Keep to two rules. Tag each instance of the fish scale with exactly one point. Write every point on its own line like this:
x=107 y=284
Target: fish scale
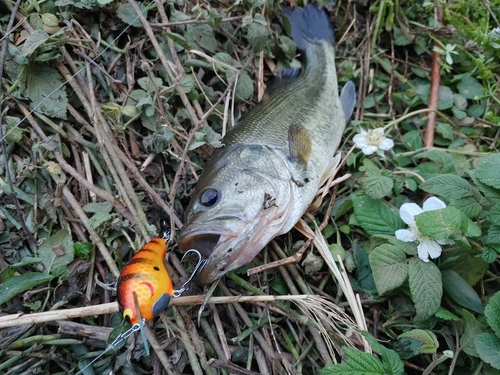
x=265 y=177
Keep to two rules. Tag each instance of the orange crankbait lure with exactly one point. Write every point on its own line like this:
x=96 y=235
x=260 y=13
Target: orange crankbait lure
x=146 y=275
x=144 y=286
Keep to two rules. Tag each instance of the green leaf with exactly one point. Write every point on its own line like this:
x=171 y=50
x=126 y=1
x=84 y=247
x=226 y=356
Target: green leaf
x=487 y=171
x=460 y=292
x=390 y=359
x=425 y=286
x=356 y=362
x=492 y=313
x=469 y=266
x=444 y=314
x=445 y=98
x=204 y=36
x=445 y=130
x=488 y=347
x=442 y=158
x=103 y=207
x=389 y=267
x=35 y=40
x=492 y=194
x=493 y=235
x=83 y=249
x=129 y=16
x=257 y=34
x=56 y=252
x=98 y=219
x=448 y=186
x=469 y=87
x=442 y=225
x=377 y=183
x=469 y=206
x=44 y=87
x=244 y=87
x=19 y=284
x=414 y=139
x=427 y=339
x=376 y=216
x=471 y=329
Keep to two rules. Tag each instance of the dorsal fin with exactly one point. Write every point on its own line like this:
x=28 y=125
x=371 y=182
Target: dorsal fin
x=282 y=78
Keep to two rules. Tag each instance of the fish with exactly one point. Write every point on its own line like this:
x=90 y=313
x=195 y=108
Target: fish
x=263 y=179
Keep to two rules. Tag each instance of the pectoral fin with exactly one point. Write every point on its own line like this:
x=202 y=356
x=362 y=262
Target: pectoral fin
x=300 y=145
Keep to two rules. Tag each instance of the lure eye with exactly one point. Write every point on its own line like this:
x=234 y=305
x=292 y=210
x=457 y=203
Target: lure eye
x=209 y=197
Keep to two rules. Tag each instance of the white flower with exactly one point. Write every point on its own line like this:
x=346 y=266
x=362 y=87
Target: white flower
x=426 y=246
x=373 y=140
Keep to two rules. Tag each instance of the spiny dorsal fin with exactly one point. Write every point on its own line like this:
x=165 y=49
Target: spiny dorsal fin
x=348 y=99
x=300 y=144
x=282 y=78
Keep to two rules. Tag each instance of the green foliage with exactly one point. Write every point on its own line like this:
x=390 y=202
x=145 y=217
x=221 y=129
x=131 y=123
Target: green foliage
x=56 y=252
x=21 y=283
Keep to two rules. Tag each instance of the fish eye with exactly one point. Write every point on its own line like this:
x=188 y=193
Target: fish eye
x=209 y=197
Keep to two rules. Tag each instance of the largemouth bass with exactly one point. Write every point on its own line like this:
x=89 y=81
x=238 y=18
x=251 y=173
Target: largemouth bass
x=265 y=177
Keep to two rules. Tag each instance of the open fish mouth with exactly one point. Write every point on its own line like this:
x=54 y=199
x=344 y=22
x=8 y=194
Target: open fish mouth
x=205 y=243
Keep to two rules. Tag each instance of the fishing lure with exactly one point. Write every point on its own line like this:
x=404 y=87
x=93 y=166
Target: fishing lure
x=145 y=288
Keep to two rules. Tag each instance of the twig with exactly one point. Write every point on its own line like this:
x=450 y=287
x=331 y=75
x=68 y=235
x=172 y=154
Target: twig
x=435 y=82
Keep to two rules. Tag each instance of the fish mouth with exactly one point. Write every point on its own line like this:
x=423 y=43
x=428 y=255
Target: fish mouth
x=204 y=242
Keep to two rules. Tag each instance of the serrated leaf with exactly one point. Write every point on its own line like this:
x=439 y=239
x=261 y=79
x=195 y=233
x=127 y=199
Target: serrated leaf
x=19 y=284
x=469 y=87
x=444 y=314
x=472 y=268
x=376 y=216
x=471 y=329
x=414 y=139
x=442 y=225
x=56 y=252
x=376 y=183
x=493 y=235
x=487 y=171
x=492 y=194
x=492 y=313
x=257 y=34
x=390 y=359
x=445 y=130
x=357 y=362
x=445 y=98
x=44 y=88
x=244 y=87
x=425 y=286
x=442 y=158
x=460 y=292
x=448 y=186
x=129 y=16
x=469 y=206
x=427 y=339
x=98 y=219
x=488 y=347
x=35 y=40
x=204 y=36
x=389 y=267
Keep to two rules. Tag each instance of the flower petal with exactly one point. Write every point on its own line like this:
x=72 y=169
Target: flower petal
x=433 y=204
x=405 y=235
x=360 y=139
x=368 y=149
x=378 y=131
x=386 y=144
x=408 y=211
x=428 y=248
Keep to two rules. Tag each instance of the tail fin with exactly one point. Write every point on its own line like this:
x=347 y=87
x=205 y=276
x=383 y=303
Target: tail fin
x=309 y=25
x=348 y=99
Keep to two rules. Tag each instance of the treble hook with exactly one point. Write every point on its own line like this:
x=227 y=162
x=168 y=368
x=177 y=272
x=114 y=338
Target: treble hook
x=201 y=263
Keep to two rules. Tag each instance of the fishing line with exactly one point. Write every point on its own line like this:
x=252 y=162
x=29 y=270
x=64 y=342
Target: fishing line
x=78 y=72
